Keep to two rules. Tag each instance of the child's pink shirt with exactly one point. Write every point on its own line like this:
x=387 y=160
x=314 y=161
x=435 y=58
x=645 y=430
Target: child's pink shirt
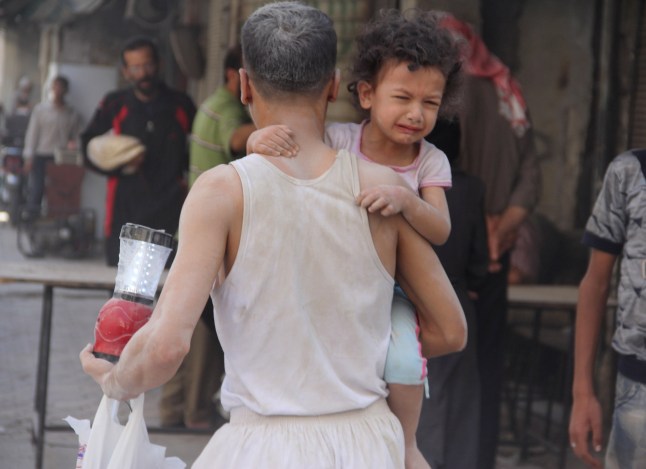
x=430 y=168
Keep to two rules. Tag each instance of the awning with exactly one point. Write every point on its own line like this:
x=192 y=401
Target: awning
x=45 y=11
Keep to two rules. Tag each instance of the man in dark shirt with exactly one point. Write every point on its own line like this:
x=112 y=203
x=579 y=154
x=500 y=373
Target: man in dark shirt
x=161 y=119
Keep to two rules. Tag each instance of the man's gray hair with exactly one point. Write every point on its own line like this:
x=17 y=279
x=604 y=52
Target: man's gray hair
x=289 y=47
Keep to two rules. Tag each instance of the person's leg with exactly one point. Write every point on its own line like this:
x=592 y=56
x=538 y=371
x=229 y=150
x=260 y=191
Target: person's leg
x=205 y=366
x=432 y=429
x=405 y=401
x=491 y=315
x=627 y=442
x=112 y=250
x=405 y=373
x=453 y=406
x=171 y=402
x=464 y=404
x=36 y=184
x=187 y=399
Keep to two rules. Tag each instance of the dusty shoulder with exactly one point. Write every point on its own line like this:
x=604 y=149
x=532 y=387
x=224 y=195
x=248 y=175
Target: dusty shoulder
x=217 y=186
x=221 y=175
x=373 y=174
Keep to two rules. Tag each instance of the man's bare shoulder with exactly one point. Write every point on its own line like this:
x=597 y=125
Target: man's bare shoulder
x=216 y=188
x=221 y=177
x=373 y=174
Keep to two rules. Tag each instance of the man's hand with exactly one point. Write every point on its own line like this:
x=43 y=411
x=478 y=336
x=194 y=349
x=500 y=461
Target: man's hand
x=27 y=165
x=387 y=200
x=586 y=421
x=502 y=232
x=102 y=372
x=274 y=140
x=134 y=164
x=492 y=242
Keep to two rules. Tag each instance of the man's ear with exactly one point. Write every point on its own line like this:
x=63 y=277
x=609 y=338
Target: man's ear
x=364 y=93
x=333 y=92
x=245 y=87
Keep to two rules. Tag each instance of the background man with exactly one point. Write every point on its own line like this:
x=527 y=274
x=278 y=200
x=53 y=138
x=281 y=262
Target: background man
x=161 y=119
x=304 y=310
x=53 y=125
x=21 y=102
x=615 y=227
x=222 y=124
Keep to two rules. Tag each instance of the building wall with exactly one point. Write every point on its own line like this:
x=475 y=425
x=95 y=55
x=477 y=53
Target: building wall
x=556 y=65
x=231 y=14
x=18 y=56
x=552 y=58
x=556 y=53
x=466 y=10
x=96 y=39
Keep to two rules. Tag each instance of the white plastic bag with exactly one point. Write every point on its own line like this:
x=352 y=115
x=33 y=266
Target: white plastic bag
x=110 y=445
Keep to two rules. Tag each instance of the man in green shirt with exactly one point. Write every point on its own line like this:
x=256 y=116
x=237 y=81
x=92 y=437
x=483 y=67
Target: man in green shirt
x=219 y=135
x=222 y=124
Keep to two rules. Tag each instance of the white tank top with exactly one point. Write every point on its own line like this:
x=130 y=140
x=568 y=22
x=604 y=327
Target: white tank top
x=304 y=315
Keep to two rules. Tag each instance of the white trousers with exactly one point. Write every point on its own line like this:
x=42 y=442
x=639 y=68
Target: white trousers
x=370 y=438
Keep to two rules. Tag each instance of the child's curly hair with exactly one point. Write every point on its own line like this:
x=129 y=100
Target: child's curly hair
x=416 y=37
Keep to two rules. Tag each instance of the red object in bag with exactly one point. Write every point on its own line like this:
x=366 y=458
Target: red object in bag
x=118 y=320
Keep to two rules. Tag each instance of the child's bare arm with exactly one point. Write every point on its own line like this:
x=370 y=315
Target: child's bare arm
x=431 y=219
x=274 y=140
x=428 y=215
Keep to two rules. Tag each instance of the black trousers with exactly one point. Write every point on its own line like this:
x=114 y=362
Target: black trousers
x=449 y=426
x=491 y=315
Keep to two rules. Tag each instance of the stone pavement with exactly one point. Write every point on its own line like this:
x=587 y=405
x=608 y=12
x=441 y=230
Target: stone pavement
x=70 y=391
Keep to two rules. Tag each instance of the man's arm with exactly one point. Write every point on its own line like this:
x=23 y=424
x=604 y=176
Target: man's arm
x=527 y=186
x=443 y=327
x=522 y=200
x=586 y=414
x=154 y=353
x=100 y=123
x=503 y=230
x=76 y=128
x=417 y=268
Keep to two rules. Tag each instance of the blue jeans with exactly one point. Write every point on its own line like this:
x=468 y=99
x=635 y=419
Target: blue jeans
x=627 y=443
x=36 y=185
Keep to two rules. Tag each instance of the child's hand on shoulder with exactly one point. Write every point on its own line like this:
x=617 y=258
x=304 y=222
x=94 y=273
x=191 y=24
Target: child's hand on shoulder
x=385 y=199
x=274 y=140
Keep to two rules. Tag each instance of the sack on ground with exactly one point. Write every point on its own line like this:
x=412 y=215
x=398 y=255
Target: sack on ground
x=109 y=445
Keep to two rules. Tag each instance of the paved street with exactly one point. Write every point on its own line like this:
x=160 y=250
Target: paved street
x=71 y=392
